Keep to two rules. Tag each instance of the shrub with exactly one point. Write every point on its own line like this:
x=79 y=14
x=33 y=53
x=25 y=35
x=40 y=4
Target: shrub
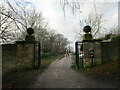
x=116 y=40
x=47 y=55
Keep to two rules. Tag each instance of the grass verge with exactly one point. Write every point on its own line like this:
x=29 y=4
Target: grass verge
x=111 y=69
x=22 y=78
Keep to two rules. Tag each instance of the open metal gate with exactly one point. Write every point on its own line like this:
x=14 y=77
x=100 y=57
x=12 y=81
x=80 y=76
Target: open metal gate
x=79 y=61
x=37 y=55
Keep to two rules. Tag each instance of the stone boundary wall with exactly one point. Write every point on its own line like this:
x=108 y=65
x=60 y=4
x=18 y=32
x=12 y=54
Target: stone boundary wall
x=103 y=52
x=17 y=56
x=109 y=51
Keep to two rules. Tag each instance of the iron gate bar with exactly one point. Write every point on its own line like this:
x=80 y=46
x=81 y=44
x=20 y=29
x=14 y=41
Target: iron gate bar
x=77 y=53
x=37 y=55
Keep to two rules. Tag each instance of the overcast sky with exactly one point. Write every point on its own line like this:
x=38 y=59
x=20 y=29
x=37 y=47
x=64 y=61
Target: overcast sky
x=67 y=25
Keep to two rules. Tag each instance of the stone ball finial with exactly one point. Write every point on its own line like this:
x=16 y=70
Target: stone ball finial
x=87 y=29
x=30 y=38
x=30 y=31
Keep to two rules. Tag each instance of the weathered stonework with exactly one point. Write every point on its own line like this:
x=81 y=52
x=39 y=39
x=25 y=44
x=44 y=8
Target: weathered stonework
x=25 y=53
x=90 y=44
x=109 y=51
x=19 y=55
x=94 y=45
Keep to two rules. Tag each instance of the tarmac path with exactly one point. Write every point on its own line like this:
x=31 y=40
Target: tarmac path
x=60 y=75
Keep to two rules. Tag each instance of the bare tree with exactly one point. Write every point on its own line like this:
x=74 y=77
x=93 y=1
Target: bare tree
x=10 y=24
x=19 y=18
x=96 y=23
x=6 y=25
x=115 y=30
x=16 y=18
x=93 y=19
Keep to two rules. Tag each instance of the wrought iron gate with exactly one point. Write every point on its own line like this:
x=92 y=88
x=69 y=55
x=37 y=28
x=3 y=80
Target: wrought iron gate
x=79 y=62
x=37 y=55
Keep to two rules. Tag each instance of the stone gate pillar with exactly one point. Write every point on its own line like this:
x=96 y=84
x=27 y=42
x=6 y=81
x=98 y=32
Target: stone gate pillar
x=25 y=50
x=89 y=45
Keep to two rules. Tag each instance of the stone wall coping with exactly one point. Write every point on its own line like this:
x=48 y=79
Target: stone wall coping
x=93 y=40
x=24 y=42
x=105 y=42
x=7 y=44
x=19 y=42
